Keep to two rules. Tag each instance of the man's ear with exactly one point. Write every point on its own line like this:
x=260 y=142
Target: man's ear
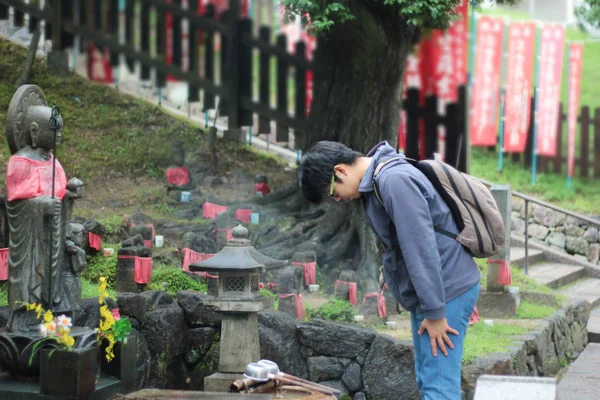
x=341 y=169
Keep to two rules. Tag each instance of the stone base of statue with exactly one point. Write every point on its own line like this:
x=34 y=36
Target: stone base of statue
x=23 y=380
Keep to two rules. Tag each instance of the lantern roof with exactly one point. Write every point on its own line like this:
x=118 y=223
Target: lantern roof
x=237 y=256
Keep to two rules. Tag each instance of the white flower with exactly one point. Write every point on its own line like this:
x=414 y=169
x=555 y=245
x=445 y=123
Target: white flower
x=51 y=328
x=43 y=330
x=64 y=322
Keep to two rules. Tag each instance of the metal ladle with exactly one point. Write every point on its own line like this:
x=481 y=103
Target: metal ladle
x=262 y=373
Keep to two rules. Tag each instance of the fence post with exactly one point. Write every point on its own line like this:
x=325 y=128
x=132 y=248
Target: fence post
x=264 y=123
x=411 y=104
x=282 y=132
x=584 y=158
x=597 y=143
x=463 y=145
x=231 y=78
x=300 y=85
x=430 y=119
x=451 y=126
x=57 y=60
x=529 y=142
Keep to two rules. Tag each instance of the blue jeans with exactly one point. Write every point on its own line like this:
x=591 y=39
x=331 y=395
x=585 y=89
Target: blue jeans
x=438 y=378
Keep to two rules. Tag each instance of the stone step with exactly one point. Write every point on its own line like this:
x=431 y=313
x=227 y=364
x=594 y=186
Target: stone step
x=593 y=326
x=517 y=256
x=556 y=275
x=581 y=380
x=588 y=289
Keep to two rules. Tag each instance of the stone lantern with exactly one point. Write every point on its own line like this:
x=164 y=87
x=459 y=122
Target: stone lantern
x=239 y=266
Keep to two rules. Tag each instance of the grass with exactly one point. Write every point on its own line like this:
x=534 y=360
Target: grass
x=551 y=188
x=482 y=340
x=529 y=310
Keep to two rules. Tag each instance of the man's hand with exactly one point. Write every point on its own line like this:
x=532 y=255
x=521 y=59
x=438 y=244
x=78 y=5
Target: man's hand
x=438 y=334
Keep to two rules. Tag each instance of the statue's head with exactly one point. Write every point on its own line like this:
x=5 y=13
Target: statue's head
x=31 y=122
x=42 y=123
x=75 y=233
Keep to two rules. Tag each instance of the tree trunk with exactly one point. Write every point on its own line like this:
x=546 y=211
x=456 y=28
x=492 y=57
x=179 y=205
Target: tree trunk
x=33 y=46
x=358 y=70
x=358 y=79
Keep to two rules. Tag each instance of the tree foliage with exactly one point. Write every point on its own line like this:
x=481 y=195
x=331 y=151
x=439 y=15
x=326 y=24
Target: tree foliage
x=427 y=14
x=589 y=12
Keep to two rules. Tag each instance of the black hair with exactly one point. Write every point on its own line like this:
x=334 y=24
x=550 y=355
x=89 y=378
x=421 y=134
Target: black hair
x=316 y=167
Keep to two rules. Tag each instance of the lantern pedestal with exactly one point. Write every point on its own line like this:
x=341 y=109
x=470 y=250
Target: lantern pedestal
x=239 y=335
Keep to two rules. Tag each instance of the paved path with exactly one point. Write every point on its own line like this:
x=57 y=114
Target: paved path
x=581 y=380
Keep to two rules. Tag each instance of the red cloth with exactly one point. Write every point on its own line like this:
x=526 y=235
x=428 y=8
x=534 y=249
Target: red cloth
x=271 y=285
x=351 y=290
x=148 y=243
x=299 y=303
x=98 y=65
x=262 y=188
x=95 y=241
x=142 y=268
x=27 y=178
x=381 y=308
x=4 y=264
x=190 y=256
x=310 y=272
x=504 y=277
x=243 y=215
x=474 y=316
x=178 y=176
x=210 y=210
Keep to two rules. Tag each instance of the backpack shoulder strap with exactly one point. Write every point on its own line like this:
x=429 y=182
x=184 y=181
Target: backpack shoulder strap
x=380 y=200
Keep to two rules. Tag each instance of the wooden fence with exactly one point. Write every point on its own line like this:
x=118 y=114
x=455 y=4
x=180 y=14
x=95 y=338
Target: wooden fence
x=587 y=160
x=97 y=22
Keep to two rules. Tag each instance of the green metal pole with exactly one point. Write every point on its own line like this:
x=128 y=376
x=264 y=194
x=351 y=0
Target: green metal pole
x=503 y=93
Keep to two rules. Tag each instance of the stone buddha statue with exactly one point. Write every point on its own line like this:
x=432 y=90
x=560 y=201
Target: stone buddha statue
x=38 y=206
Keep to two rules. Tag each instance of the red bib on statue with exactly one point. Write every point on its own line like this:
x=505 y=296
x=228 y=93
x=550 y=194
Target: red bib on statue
x=26 y=178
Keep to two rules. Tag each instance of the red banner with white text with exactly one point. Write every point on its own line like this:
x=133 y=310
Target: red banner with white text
x=550 y=74
x=486 y=84
x=519 y=82
x=575 y=60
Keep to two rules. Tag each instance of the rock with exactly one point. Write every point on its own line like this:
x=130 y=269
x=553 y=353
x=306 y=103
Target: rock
x=142 y=361
x=594 y=252
x=577 y=245
x=89 y=315
x=574 y=230
x=493 y=364
x=359 y=396
x=198 y=342
x=557 y=239
x=157 y=299
x=548 y=217
x=591 y=235
x=133 y=305
x=189 y=214
x=278 y=342
x=352 y=378
x=334 y=340
x=196 y=312
x=517 y=205
x=517 y=224
x=290 y=279
x=208 y=366
x=519 y=357
x=94 y=227
x=538 y=231
x=165 y=330
x=389 y=367
x=546 y=358
x=324 y=369
x=4 y=313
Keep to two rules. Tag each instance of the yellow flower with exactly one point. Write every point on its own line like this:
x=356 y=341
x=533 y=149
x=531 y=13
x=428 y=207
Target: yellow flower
x=38 y=310
x=69 y=341
x=48 y=316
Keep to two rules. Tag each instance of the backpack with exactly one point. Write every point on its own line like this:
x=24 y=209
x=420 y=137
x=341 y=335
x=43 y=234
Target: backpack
x=480 y=224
